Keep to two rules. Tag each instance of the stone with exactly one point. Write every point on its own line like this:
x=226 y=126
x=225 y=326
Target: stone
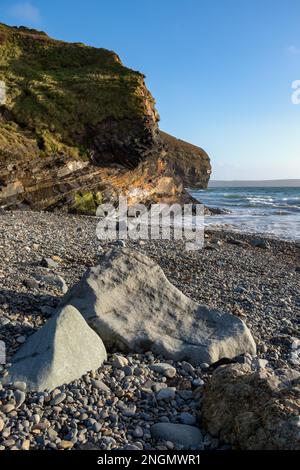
x=19 y=386
x=146 y=312
x=25 y=444
x=62 y=350
x=119 y=361
x=164 y=369
x=53 y=280
x=59 y=398
x=187 y=418
x=253 y=410
x=166 y=394
x=180 y=434
x=187 y=367
x=260 y=243
x=20 y=397
x=31 y=283
x=100 y=386
x=21 y=339
x=258 y=363
x=1 y=424
x=8 y=408
x=49 y=263
x=138 y=432
x=66 y=445
x=198 y=382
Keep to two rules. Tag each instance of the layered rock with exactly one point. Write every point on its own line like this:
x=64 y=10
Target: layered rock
x=189 y=162
x=130 y=303
x=63 y=350
x=78 y=128
x=253 y=410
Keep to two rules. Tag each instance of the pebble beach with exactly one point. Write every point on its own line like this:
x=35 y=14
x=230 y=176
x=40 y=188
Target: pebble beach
x=43 y=254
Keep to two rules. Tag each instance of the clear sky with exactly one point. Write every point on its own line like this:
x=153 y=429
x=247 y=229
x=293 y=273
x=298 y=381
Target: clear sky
x=220 y=70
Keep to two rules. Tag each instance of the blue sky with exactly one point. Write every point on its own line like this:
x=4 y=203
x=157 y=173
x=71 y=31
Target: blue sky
x=220 y=70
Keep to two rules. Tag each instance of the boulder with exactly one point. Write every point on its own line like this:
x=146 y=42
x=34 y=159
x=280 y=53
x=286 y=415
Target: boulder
x=63 y=350
x=253 y=410
x=130 y=303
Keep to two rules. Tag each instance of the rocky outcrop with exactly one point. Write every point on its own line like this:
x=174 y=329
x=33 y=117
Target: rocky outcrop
x=78 y=128
x=253 y=410
x=130 y=303
x=190 y=163
x=63 y=350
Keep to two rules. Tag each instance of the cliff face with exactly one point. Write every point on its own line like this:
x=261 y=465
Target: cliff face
x=190 y=163
x=78 y=128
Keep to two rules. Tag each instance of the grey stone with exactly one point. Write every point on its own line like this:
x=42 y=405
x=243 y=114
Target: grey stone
x=31 y=283
x=59 y=398
x=147 y=312
x=19 y=386
x=119 y=361
x=166 y=394
x=187 y=418
x=49 y=263
x=63 y=350
x=100 y=386
x=182 y=434
x=260 y=243
x=164 y=369
x=53 y=280
x=20 y=397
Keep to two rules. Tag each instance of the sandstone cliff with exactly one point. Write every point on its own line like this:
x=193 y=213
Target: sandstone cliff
x=78 y=128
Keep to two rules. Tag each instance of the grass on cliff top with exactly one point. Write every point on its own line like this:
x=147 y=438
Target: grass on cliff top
x=57 y=87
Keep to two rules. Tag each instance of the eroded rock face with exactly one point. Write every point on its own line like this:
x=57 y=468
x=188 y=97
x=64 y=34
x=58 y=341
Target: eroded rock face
x=130 y=303
x=92 y=136
x=189 y=162
x=63 y=350
x=253 y=410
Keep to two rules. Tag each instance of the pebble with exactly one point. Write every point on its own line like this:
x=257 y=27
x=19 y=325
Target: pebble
x=164 y=369
x=7 y=408
x=59 y=398
x=166 y=394
x=49 y=263
x=100 y=386
x=119 y=361
x=20 y=397
x=138 y=432
x=187 y=418
x=21 y=339
x=66 y=445
x=20 y=386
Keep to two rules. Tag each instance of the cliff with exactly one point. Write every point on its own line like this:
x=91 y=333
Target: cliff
x=77 y=127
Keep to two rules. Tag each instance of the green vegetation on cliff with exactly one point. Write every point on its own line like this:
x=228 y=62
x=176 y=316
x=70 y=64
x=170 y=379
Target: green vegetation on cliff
x=56 y=89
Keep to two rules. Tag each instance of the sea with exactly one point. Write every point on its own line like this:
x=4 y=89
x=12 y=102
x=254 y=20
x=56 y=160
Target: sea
x=272 y=212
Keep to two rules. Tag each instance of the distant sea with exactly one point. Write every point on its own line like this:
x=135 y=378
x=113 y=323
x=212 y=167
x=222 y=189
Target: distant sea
x=268 y=211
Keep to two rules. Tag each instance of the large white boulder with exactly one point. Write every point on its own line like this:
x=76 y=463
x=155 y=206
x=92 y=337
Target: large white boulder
x=130 y=303
x=63 y=350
